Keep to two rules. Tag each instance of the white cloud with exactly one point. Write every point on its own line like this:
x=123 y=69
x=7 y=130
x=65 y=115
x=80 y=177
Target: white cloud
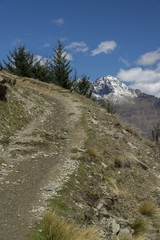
x=147 y=80
x=38 y=58
x=149 y=58
x=104 y=47
x=46 y=45
x=58 y=21
x=68 y=56
x=77 y=47
x=16 y=42
x=123 y=60
x=62 y=39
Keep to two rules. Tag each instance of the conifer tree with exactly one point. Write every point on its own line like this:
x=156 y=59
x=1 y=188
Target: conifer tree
x=1 y=67
x=83 y=86
x=61 y=67
x=20 y=61
x=42 y=70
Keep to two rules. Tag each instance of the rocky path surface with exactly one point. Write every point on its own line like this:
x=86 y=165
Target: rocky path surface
x=38 y=162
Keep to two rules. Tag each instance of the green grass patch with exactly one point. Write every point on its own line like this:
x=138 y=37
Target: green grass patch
x=74 y=150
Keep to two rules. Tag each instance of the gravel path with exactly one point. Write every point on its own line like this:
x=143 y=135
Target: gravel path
x=27 y=180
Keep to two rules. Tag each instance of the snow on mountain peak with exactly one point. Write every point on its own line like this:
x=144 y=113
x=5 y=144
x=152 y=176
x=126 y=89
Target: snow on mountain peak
x=111 y=88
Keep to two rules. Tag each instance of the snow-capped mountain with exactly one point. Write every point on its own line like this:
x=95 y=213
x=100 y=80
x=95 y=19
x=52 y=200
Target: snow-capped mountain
x=110 y=88
x=133 y=106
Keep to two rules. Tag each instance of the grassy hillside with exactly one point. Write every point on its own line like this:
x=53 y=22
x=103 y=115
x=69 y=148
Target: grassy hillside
x=116 y=186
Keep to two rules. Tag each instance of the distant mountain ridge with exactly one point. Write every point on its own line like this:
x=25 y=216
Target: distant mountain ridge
x=133 y=106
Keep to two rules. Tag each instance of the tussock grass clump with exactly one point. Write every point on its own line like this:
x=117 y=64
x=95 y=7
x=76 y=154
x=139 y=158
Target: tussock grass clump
x=111 y=182
x=148 y=208
x=140 y=225
x=121 y=162
x=140 y=237
x=93 y=152
x=58 y=228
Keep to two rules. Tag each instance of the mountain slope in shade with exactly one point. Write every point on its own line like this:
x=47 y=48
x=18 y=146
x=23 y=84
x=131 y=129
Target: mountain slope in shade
x=136 y=108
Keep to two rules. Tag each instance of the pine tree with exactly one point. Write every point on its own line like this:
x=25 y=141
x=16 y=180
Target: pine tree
x=1 y=67
x=156 y=133
x=20 y=61
x=83 y=86
x=61 y=67
x=42 y=71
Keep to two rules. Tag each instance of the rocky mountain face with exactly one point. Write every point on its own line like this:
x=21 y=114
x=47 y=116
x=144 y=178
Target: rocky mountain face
x=136 y=108
x=110 y=88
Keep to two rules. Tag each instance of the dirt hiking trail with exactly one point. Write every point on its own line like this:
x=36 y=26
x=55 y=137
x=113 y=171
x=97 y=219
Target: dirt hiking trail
x=38 y=160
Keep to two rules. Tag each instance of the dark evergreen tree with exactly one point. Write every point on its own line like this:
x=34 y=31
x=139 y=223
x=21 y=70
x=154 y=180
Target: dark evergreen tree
x=156 y=133
x=20 y=61
x=83 y=86
x=61 y=67
x=1 y=67
x=42 y=71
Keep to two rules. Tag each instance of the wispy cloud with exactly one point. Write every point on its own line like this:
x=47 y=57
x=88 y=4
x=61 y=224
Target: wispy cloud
x=16 y=42
x=149 y=58
x=104 y=47
x=147 y=80
x=62 y=39
x=46 y=45
x=77 y=47
x=124 y=61
x=58 y=21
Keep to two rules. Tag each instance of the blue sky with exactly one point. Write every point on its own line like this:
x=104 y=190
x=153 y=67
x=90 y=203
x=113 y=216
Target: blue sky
x=102 y=37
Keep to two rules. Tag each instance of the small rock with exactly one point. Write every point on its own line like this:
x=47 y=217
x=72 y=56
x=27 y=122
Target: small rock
x=4 y=165
x=50 y=188
x=100 y=205
x=11 y=166
x=119 y=135
x=115 y=226
x=104 y=211
x=131 y=145
x=104 y=165
x=125 y=233
x=124 y=131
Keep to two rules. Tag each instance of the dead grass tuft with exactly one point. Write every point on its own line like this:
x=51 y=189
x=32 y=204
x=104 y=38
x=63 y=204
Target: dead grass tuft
x=122 y=162
x=140 y=225
x=140 y=237
x=93 y=152
x=112 y=184
x=148 y=208
x=58 y=228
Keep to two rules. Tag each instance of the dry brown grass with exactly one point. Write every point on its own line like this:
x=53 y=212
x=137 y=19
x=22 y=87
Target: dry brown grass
x=93 y=152
x=122 y=162
x=141 y=237
x=58 y=228
x=140 y=225
x=148 y=208
x=112 y=184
